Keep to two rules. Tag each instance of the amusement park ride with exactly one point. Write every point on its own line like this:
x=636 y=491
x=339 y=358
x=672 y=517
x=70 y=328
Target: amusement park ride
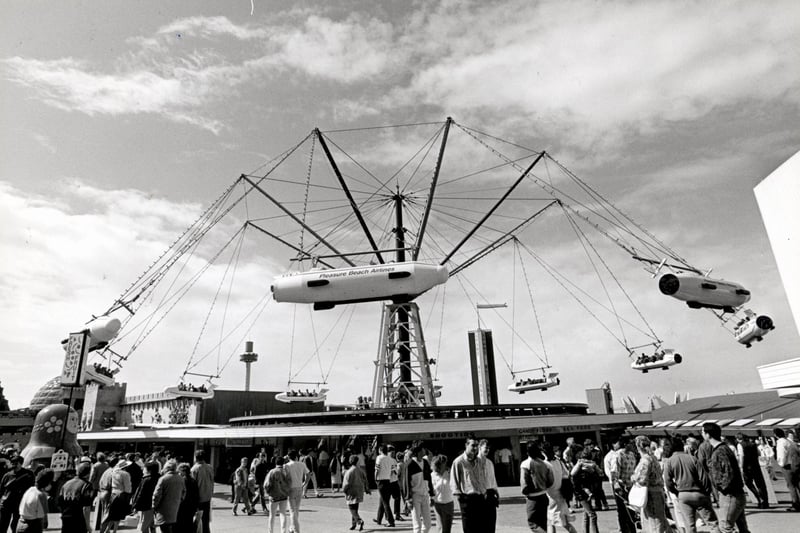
x=355 y=239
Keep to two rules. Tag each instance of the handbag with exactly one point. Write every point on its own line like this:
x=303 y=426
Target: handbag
x=637 y=496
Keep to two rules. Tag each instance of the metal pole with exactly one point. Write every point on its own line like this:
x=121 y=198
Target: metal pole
x=432 y=190
x=347 y=193
x=493 y=209
x=403 y=337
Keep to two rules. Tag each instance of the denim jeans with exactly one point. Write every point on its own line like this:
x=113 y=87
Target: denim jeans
x=589 y=517
x=278 y=509
x=690 y=504
x=731 y=513
x=295 y=497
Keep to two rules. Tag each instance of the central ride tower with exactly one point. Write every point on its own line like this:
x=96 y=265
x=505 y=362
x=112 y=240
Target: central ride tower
x=402 y=369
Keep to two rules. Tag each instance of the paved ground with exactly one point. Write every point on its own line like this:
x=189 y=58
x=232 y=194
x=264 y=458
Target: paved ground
x=330 y=514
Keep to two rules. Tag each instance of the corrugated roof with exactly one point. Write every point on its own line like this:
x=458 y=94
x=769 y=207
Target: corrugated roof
x=751 y=411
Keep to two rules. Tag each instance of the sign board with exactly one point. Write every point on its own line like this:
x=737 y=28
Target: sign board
x=60 y=461
x=239 y=443
x=77 y=347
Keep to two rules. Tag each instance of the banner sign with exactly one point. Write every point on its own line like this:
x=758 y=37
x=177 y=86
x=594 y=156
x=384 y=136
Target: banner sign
x=77 y=347
x=60 y=461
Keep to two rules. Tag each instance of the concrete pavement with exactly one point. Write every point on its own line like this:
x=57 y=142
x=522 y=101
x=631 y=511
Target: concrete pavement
x=330 y=514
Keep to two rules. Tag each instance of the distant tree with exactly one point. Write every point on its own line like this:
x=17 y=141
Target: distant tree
x=3 y=402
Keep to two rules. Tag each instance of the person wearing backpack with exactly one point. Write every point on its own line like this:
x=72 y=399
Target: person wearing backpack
x=585 y=479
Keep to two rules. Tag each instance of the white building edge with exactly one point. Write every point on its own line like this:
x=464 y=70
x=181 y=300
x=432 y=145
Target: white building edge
x=778 y=197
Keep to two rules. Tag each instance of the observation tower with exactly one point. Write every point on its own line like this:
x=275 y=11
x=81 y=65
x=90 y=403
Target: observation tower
x=248 y=357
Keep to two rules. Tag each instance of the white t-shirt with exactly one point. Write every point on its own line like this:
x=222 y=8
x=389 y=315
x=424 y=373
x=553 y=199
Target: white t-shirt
x=384 y=467
x=33 y=504
x=503 y=455
x=296 y=471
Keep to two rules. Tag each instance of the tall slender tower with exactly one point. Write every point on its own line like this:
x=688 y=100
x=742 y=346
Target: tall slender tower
x=481 y=360
x=248 y=357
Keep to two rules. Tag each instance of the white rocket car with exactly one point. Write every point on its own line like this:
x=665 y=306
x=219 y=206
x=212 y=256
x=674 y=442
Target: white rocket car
x=299 y=396
x=701 y=291
x=325 y=288
x=524 y=385
x=752 y=327
x=662 y=359
x=101 y=331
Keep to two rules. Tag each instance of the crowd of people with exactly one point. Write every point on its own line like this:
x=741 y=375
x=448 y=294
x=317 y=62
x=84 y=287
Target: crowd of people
x=671 y=482
x=96 y=494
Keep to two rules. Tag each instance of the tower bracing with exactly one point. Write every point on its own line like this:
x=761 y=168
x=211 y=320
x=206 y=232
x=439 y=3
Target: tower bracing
x=402 y=370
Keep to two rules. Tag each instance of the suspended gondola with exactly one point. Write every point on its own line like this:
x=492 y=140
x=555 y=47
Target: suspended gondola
x=291 y=395
x=182 y=390
x=661 y=358
x=548 y=380
x=752 y=328
x=99 y=374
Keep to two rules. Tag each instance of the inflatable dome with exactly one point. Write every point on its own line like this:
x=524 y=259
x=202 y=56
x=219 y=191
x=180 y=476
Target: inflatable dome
x=51 y=392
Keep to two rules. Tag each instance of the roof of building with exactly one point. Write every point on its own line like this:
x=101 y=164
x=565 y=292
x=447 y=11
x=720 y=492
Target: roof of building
x=418 y=428
x=750 y=413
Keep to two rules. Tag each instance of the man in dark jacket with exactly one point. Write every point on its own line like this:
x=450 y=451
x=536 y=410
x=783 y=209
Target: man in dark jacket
x=727 y=478
x=12 y=487
x=142 y=501
x=75 y=500
x=134 y=470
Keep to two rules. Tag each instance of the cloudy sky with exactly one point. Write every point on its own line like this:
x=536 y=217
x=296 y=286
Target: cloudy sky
x=122 y=122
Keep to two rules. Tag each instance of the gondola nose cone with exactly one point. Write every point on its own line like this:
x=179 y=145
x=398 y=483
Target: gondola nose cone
x=104 y=329
x=764 y=322
x=442 y=274
x=669 y=284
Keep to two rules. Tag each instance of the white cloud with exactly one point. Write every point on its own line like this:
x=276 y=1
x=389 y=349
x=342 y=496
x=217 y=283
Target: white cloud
x=593 y=74
x=356 y=49
x=208 y=27
x=598 y=73
x=69 y=84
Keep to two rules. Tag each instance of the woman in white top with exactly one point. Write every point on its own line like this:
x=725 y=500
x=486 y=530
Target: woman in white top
x=767 y=457
x=443 y=494
x=557 y=508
